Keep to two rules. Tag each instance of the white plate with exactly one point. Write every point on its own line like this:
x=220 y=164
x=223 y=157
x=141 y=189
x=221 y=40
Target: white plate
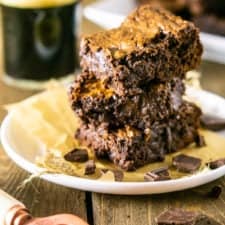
x=16 y=147
x=110 y=14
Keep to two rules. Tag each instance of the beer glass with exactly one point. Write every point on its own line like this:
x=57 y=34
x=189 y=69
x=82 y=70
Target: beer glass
x=39 y=39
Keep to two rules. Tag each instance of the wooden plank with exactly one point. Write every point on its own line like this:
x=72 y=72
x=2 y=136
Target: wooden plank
x=41 y=197
x=142 y=210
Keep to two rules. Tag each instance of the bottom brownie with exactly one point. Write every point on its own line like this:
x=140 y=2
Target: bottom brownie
x=130 y=148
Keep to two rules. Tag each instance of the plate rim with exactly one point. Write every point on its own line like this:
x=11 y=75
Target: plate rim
x=108 y=187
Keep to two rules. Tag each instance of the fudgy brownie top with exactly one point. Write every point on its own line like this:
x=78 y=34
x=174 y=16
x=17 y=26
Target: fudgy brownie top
x=141 y=28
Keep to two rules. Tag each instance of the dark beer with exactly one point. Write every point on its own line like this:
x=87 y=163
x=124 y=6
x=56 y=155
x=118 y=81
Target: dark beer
x=39 y=38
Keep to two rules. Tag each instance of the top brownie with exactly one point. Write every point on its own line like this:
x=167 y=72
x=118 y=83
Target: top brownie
x=150 y=44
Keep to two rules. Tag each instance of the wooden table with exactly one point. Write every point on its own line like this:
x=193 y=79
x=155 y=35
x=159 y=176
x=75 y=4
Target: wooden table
x=44 y=198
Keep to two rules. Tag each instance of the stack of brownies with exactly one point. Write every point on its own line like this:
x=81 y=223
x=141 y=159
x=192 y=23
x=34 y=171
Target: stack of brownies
x=130 y=94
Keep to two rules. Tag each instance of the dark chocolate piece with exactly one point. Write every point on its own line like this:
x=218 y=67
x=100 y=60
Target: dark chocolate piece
x=118 y=175
x=200 y=141
x=158 y=175
x=130 y=148
x=186 y=164
x=150 y=44
x=216 y=164
x=90 y=167
x=77 y=155
x=177 y=216
x=212 y=122
x=215 y=192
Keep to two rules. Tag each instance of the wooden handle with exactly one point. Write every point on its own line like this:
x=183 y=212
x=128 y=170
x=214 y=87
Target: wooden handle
x=6 y=203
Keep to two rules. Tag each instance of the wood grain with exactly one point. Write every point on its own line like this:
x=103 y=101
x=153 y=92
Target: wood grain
x=41 y=197
x=142 y=210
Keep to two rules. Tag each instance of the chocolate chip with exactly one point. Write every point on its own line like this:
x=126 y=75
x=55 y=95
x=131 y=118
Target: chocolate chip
x=90 y=167
x=157 y=175
x=216 y=164
x=212 y=122
x=186 y=164
x=200 y=141
x=177 y=216
x=215 y=192
x=77 y=155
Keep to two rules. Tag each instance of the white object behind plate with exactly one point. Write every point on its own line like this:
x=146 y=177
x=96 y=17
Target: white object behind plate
x=111 y=13
x=16 y=146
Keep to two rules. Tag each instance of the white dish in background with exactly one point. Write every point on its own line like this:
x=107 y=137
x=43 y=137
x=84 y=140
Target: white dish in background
x=110 y=14
x=16 y=146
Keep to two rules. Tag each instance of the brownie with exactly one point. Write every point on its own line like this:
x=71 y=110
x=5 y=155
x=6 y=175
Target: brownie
x=160 y=174
x=150 y=44
x=94 y=103
x=216 y=164
x=130 y=148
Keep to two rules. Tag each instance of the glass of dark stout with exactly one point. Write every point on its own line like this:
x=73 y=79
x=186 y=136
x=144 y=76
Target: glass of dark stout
x=39 y=39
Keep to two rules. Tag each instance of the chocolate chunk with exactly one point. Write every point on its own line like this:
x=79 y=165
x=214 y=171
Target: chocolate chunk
x=90 y=167
x=215 y=192
x=179 y=216
x=213 y=123
x=216 y=164
x=185 y=163
x=118 y=174
x=77 y=155
x=200 y=141
x=157 y=175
